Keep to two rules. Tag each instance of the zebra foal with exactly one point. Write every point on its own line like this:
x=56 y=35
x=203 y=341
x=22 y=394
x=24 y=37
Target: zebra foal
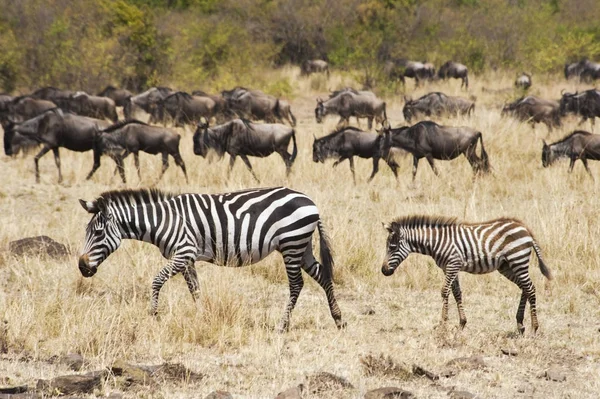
x=502 y=244
x=233 y=229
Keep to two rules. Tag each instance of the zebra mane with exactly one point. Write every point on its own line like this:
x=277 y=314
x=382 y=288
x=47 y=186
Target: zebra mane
x=570 y=135
x=139 y=196
x=413 y=221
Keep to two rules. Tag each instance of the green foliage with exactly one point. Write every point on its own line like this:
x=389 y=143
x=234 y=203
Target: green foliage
x=10 y=60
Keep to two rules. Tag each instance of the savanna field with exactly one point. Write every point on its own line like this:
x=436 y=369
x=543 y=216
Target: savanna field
x=229 y=335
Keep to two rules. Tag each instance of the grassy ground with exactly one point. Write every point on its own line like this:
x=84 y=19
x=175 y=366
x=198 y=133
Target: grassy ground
x=229 y=334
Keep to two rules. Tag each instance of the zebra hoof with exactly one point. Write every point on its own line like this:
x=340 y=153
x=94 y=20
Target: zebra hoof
x=521 y=329
x=341 y=325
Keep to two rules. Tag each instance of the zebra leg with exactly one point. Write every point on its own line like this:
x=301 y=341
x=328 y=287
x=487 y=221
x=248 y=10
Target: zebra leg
x=296 y=282
x=451 y=272
x=57 y=162
x=458 y=297
x=314 y=269
x=173 y=267
x=249 y=166
x=508 y=272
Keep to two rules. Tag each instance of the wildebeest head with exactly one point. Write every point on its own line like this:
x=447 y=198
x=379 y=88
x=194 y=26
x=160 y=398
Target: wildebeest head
x=328 y=146
x=568 y=103
x=102 y=237
x=318 y=150
x=408 y=110
x=199 y=146
x=397 y=248
x=548 y=156
x=214 y=138
x=319 y=111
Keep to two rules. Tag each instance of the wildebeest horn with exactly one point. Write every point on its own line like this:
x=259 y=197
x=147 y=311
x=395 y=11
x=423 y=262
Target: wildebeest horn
x=562 y=92
x=544 y=141
x=315 y=137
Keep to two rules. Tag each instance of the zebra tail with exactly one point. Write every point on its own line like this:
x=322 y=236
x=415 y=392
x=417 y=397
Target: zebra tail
x=543 y=268
x=295 y=148
x=326 y=253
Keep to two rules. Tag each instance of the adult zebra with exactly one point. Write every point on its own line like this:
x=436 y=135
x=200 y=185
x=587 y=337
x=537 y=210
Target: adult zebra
x=233 y=229
x=501 y=244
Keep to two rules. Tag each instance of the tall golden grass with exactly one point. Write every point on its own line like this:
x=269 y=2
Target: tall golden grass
x=229 y=333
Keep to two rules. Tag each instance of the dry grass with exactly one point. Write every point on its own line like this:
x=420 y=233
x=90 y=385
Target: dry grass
x=229 y=333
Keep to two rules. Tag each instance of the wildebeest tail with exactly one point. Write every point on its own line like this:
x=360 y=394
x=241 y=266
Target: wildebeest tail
x=326 y=253
x=293 y=118
x=485 y=161
x=543 y=268
x=295 y=147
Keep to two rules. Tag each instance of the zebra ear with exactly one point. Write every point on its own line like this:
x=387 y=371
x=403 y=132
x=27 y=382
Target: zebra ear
x=388 y=227
x=90 y=206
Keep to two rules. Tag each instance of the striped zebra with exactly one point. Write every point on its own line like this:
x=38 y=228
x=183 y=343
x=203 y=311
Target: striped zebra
x=233 y=229
x=503 y=244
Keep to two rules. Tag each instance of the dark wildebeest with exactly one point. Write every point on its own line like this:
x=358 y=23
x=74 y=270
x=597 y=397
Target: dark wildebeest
x=132 y=136
x=534 y=110
x=577 y=145
x=55 y=128
x=186 y=109
x=400 y=69
x=314 y=66
x=5 y=100
x=119 y=96
x=147 y=101
x=17 y=143
x=431 y=141
x=243 y=138
x=586 y=104
x=95 y=106
x=455 y=70
x=437 y=104
x=221 y=110
x=523 y=81
x=348 y=104
x=585 y=70
x=23 y=108
x=62 y=98
x=256 y=105
x=346 y=143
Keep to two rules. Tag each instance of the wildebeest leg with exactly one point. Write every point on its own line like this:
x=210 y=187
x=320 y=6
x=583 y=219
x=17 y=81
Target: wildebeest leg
x=40 y=154
x=585 y=164
x=286 y=159
x=572 y=163
x=351 y=160
x=415 y=166
x=375 y=168
x=394 y=167
x=370 y=122
x=120 y=166
x=472 y=157
x=179 y=162
x=95 y=166
x=249 y=166
x=136 y=159
x=57 y=162
x=430 y=160
x=165 y=163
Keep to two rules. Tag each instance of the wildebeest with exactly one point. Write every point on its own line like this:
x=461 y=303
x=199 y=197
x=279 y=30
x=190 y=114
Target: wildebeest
x=15 y=142
x=436 y=104
x=119 y=96
x=585 y=70
x=256 y=105
x=348 y=104
x=243 y=138
x=534 y=110
x=59 y=97
x=5 y=100
x=455 y=70
x=186 y=109
x=132 y=136
x=94 y=106
x=577 y=145
x=399 y=69
x=147 y=101
x=523 y=81
x=314 y=66
x=221 y=110
x=348 y=142
x=23 y=108
x=586 y=104
x=431 y=141
x=55 y=128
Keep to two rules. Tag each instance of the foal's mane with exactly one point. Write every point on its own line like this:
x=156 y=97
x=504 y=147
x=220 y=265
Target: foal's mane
x=425 y=220
x=139 y=196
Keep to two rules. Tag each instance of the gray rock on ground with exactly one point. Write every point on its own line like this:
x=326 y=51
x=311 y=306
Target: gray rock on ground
x=39 y=245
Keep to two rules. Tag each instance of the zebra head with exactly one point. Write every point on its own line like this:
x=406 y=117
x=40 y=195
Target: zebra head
x=397 y=249
x=102 y=236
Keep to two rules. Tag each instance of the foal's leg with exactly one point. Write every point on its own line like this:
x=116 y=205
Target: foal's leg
x=451 y=272
x=40 y=154
x=249 y=166
x=296 y=282
x=57 y=162
x=315 y=270
x=507 y=271
x=458 y=297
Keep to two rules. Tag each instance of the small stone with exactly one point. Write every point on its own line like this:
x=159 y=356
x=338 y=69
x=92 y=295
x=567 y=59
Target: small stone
x=421 y=372
x=132 y=374
x=467 y=363
x=555 y=374
x=509 y=352
x=73 y=360
x=324 y=381
x=291 y=393
x=219 y=395
x=71 y=384
x=389 y=393
x=39 y=245
x=369 y=312
x=13 y=390
x=462 y=395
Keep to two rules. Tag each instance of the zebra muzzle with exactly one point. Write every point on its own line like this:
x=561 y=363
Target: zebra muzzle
x=84 y=267
x=386 y=270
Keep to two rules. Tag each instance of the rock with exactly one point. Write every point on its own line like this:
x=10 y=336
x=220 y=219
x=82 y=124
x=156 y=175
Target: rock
x=388 y=393
x=467 y=363
x=555 y=374
x=73 y=360
x=14 y=390
x=71 y=384
x=115 y=395
x=175 y=372
x=382 y=365
x=325 y=381
x=421 y=372
x=26 y=395
x=369 y=311
x=219 y=395
x=292 y=393
x=509 y=352
x=132 y=374
x=39 y=245
x=462 y=395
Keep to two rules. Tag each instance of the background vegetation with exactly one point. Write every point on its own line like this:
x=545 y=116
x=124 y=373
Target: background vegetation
x=212 y=44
